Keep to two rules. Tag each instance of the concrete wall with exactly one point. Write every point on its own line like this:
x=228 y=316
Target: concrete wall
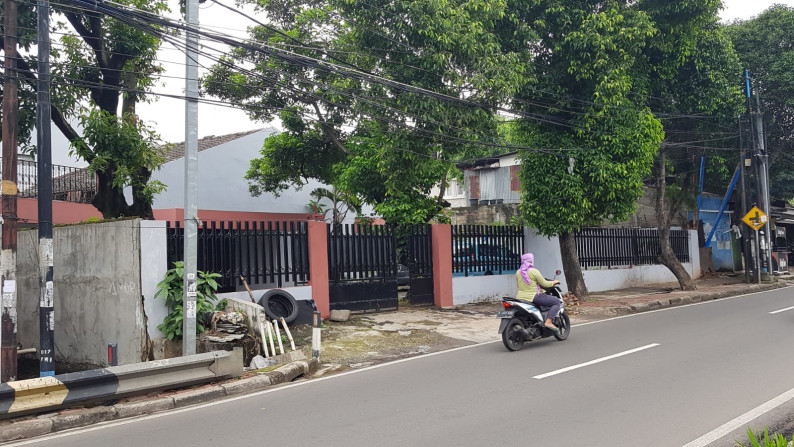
x=154 y=263
x=62 y=212
x=97 y=291
x=482 y=288
x=548 y=259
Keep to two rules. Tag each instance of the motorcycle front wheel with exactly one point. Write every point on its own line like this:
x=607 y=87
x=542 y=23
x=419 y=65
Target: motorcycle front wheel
x=565 y=326
x=513 y=335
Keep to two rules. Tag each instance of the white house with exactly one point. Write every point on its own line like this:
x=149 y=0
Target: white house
x=222 y=188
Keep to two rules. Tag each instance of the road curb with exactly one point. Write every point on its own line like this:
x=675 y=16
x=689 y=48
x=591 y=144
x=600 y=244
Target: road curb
x=14 y=430
x=656 y=304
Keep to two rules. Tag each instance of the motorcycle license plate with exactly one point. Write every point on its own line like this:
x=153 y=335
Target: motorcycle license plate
x=504 y=314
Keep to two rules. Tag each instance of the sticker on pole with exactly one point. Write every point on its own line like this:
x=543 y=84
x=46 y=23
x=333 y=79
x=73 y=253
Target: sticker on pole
x=755 y=218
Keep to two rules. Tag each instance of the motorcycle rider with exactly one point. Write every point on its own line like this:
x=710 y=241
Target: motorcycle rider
x=530 y=281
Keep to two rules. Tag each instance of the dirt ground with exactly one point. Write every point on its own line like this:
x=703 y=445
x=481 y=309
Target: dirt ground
x=371 y=338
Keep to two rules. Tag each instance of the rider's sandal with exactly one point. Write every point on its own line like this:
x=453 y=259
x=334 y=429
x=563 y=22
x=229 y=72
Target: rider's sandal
x=552 y=327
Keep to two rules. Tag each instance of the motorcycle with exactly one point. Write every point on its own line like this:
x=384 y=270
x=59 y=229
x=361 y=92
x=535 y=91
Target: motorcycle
x=522 y=321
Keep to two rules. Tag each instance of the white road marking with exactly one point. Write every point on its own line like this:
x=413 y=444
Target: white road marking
x=593 y=362
x=742 y=420
x=781 y=310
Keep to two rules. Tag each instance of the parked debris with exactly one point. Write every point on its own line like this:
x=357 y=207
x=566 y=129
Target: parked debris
x=228 y=327
x=339 y=315
x=259 y=362
x=571 y=303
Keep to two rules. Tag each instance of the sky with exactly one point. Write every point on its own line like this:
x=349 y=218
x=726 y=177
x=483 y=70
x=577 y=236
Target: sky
x=167 y=115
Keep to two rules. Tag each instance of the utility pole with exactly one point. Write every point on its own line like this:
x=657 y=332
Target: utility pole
x=763 y=182
x=44 y=183
x=8 y=188
x=752 y=245
x=191 y=182
x=745 y=233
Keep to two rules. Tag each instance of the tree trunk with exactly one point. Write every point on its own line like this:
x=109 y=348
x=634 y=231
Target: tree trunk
x=668 y=259
x=110 y=200
x=666 y=254
x=571 y=266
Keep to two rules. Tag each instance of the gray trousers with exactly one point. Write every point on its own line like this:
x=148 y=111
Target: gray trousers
x=552 y=302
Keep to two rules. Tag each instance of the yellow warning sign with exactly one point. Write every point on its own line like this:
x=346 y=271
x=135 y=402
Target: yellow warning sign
x=755 y=218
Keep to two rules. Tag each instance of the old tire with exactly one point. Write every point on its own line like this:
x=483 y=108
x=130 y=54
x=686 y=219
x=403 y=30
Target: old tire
x=279 y=303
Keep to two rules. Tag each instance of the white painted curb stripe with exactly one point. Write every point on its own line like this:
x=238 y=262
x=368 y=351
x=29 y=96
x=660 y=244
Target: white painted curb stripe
x=741 y=421
x=781 y=310
x=592 y=362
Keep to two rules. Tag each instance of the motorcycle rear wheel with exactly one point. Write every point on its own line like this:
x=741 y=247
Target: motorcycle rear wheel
x=564 y=326
x=513 y=335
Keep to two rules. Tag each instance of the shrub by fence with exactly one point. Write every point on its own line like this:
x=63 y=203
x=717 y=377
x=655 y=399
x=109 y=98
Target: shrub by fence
x=266 y=254
x=610 y=247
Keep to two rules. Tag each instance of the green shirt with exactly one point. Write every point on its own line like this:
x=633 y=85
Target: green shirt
x=526 y=291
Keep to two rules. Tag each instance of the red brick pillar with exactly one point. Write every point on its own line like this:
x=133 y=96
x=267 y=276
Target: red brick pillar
x=318 y=266
x=442 y=265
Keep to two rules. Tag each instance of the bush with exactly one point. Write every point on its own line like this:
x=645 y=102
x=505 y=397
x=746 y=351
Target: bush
x=777 y=440
x=171 y=288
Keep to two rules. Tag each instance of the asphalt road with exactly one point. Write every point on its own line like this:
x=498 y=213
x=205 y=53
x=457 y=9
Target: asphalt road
x=667 y=378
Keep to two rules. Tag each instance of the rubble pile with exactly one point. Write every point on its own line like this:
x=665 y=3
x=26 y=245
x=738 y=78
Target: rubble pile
x=571 y=303
x=228 y=327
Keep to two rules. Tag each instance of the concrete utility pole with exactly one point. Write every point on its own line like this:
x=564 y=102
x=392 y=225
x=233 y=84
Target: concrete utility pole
x=8 y=188
x=191 y=182
x=44 y=183
x=763 y=181
x=752 y=245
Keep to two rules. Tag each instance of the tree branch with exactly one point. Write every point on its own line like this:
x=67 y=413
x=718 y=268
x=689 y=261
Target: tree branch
x=328 y=130
x=27 y=75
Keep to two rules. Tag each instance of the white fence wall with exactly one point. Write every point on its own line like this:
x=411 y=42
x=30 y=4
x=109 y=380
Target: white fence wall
x=548 y=259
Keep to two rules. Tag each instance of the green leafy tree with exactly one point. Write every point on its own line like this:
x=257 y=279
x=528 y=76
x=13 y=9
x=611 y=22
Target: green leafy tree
x=598 y=141
x=342 y=203
x=692 y=82
x=101 y=67
x=763 y=45
x=387 y=142
x=692 y=66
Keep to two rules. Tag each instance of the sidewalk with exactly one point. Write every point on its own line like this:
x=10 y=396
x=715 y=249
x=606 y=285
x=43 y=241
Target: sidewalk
x=372 y=338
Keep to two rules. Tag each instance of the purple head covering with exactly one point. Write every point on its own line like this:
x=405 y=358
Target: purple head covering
x=527 y=262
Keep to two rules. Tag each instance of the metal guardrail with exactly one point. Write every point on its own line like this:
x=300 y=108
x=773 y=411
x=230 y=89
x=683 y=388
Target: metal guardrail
x=116 y=382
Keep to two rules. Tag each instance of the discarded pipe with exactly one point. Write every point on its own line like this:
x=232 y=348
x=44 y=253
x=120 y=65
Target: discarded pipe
x=27 y=351
x=289 y=334
x=270 y=334
x=278 y=337
x=262 y=334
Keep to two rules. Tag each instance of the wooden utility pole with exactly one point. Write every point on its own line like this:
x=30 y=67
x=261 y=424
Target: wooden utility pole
x=8 y=189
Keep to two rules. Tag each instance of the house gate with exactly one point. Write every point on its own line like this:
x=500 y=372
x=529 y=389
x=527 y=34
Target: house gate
x=362 y=267
x=419 y=252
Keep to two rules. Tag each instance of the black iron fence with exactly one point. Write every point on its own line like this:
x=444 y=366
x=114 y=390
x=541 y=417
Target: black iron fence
x=266 y=254
x=361 y=252
x=610 y=247
x=486 y=250
x=419 y=250
x=68 y=184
